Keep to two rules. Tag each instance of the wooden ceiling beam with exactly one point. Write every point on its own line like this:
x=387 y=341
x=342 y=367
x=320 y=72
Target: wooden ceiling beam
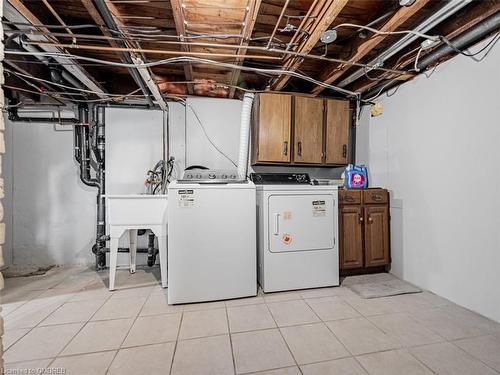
x=16 y=11
x=325 y=12
x=94 y=13
x=479 y=13
x=181 y=31
x=332 y=73
x=247 y=34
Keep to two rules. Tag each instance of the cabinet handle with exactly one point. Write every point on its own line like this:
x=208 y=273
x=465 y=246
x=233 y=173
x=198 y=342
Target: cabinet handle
x=349 y=199
x=285 y=148
x=299 y=148
x=376 y=198
x=344 y=151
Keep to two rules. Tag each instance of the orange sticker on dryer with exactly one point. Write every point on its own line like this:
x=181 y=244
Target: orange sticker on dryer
x=287 y=239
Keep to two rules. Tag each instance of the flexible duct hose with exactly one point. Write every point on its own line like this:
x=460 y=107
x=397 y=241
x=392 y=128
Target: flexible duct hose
x=246 y=113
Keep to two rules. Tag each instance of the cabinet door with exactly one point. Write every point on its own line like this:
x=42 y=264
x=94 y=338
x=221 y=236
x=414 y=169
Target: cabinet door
x=337 y=131
x=351 y=237
x=273 y=126
x=308 y=126
x=376 y=236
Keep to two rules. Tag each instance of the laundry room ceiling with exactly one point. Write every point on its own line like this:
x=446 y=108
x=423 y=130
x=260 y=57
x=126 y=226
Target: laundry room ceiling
x=112 y=50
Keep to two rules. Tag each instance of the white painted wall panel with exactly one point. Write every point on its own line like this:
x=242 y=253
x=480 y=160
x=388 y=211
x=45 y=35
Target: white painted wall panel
x=436 y=148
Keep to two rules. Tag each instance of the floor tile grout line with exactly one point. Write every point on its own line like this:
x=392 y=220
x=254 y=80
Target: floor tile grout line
x=124 y=337
x=72 y=338
x=334 y=335
x=230 y=341
x=30 y=329
x=176 y=343
x=284 y=340
x=421 y=362
x=81 y=321
x=38 y=324
x=470 y=355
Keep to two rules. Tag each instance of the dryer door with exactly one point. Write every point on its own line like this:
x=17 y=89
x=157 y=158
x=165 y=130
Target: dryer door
x=301 y=222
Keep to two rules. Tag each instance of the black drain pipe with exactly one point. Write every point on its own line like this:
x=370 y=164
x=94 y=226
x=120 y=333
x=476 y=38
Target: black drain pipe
x=461 y=42
x=83 y=155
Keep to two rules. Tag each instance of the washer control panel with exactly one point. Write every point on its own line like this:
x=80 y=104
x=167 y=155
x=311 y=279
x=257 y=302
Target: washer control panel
x=210 y=176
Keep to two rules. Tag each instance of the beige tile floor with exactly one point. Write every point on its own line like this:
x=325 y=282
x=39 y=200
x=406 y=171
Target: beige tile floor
x=68 y=320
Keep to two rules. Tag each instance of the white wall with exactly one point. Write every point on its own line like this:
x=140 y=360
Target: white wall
x=51 y=216
x=436 y=148
x=53 y=213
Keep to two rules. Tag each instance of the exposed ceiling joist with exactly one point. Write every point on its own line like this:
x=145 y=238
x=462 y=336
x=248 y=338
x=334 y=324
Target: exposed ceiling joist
x=332 y=73
x=247 y=33
x=474 y=16
x=107 y=10
x=181 y=32
x=94 y=13
x=325 y=13
x=16 y=11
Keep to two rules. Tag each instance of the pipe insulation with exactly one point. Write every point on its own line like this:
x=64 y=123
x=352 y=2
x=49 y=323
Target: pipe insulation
x=462 y=41
x=246 y=113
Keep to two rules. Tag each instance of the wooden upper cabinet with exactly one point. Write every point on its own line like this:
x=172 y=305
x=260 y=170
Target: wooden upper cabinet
x=272 y=128
x=337 y=132
x=294 y=129
x=351 y=237
x=376 y=235
x=308 y=127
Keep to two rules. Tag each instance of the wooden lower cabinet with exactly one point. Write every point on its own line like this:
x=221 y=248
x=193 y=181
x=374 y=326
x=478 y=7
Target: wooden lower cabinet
x=364 y=229
x=351 y=238
x=376 y=236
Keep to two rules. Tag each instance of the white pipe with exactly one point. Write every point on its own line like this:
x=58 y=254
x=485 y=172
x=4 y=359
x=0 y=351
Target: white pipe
x=246 y=113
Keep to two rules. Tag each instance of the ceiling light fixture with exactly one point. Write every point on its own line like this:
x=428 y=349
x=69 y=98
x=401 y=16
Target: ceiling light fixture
x=328 y=36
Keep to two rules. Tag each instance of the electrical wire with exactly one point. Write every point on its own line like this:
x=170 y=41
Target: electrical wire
x=490 y=44
x=415 y=65
x=184 y=59
x=422 y=35
x=207 y=136
x=65 y=86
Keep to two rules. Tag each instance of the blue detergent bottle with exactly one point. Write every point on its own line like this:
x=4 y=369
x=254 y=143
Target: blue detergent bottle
x=355 y=177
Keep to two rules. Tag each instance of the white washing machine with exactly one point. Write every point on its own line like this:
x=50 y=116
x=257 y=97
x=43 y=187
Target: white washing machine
x=297 y=233
x=211 y=239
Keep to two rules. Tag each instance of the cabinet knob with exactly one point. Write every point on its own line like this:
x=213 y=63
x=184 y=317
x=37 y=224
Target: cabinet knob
x=370 y=220
x=360 y=219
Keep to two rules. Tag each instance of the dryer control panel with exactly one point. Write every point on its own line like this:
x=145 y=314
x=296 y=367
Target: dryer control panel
x=280 y=178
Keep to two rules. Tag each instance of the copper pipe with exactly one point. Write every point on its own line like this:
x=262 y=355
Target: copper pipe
x=256 y=48
x=277 y=23
x=299 y=29
x=152 y=51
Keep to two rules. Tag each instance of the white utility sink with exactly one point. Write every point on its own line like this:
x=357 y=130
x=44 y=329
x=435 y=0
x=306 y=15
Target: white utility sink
x=136 y=209
x=128 y=213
